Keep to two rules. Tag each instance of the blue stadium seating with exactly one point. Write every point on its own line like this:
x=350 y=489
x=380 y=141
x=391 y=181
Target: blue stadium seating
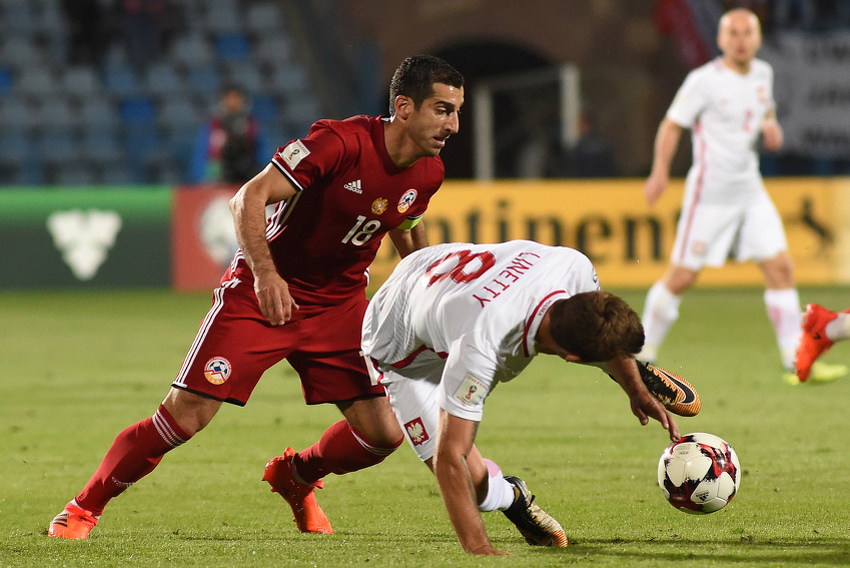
x=81 y=124
x=138 y=110
x=121 y=81
x=6 y=81
x=233 y=47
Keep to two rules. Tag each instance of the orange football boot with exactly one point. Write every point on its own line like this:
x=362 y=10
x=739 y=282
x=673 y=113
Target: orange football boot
x=301 y=498
x=813 y=342
x=73 y=522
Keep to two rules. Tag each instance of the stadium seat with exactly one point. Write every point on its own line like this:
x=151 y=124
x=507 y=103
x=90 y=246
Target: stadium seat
x=102 y=147
x=99 y=112
x=167 y=173
x=80 y=81
x=265 y=108
x=29 y=172
x=73 y=174
x=58 y=147
x=15 y=147
x=246 y=75
x=164 y=81
x=142 y=140
x=179 y=113
x=52 y=21
x=20 y=52
x=277 y=135
x=274 y=50
x=6 y=81
x=19 y=15
x=223 y=17
x=121 y=81
x=117 y=175
x=39 y=83
x=205 y=80
x=138 y=110
x=192 y=49
x=180 y=143
x=56 y=113
x=299 y=113
x=289 y=80
x=263 y=19
x=16 y=114
x=145 y=150
x=232 y=47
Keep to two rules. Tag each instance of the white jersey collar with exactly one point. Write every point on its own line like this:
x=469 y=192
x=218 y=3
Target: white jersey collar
x=532 y=322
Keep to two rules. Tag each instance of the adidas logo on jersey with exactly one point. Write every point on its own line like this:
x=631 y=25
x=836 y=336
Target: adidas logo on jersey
x=353 y=186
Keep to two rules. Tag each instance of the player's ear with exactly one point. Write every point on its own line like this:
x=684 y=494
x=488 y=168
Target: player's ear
x=403 y=106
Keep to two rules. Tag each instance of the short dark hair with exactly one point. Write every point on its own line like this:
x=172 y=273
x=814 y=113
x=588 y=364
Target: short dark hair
x=415 y=78
x=597 y=326
x=228 y=88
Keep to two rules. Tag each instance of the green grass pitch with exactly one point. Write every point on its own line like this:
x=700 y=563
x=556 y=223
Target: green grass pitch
x=80 y=366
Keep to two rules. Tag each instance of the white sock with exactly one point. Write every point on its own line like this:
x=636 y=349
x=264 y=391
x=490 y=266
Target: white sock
x=660 y=312
x=839 y=328
x=500 y=493
x=783 y=309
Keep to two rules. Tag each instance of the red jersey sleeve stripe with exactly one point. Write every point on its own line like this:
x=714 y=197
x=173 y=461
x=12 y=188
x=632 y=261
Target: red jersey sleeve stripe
x=277 y=163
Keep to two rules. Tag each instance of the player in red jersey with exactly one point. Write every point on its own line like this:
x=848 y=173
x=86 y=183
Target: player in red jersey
x=296 y=290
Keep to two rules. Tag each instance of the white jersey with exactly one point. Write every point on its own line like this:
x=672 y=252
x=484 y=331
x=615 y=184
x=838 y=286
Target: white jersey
x=724 y=110
x=466 y=315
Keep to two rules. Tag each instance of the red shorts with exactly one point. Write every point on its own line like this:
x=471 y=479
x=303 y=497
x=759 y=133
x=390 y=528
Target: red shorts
x=235 y=345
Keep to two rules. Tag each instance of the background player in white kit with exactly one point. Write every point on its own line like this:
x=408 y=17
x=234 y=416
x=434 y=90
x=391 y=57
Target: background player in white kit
x=727 y=103
x=454 y=320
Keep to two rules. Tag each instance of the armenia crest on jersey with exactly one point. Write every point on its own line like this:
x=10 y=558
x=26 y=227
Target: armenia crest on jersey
x=407 y=200
x=379 y=205
x=217 y=370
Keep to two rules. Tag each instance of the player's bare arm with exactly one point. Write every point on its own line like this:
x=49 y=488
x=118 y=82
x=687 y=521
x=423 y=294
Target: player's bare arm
x=454 y=443
x=771 y=132
x=666 y=143
x=406 y=241
x=644 y=405
x=249 y=218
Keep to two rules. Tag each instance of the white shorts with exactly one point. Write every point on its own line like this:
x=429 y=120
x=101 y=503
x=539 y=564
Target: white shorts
x=415 y=401
x=710 y=233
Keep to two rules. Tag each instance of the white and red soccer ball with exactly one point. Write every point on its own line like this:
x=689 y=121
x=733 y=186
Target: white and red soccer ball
x=699 y=473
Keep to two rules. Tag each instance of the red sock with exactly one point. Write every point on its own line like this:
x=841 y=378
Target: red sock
x=339 y=450
x=135 y=453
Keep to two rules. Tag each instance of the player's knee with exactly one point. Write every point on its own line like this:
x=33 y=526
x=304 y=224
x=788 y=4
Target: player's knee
x=374 y=452
x=385 y=449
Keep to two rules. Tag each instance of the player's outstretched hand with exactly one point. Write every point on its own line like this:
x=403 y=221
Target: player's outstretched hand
x=646 y=406
x=624 y=371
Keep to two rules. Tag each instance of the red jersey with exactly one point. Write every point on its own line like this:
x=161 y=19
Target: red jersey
x=349 y=195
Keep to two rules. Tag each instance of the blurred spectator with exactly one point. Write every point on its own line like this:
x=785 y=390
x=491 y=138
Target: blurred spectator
x=593 y=155
x=231 y=146
x=86 y=31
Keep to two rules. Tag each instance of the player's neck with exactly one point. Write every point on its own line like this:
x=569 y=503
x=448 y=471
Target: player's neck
x=402 y=151
x=740 y=67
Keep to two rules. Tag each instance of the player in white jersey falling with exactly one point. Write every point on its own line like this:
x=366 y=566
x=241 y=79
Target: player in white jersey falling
x=454 y=320
x=727 y=103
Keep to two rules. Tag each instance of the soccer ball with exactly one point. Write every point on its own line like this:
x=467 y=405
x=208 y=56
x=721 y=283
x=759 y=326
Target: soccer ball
x=699 y=473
